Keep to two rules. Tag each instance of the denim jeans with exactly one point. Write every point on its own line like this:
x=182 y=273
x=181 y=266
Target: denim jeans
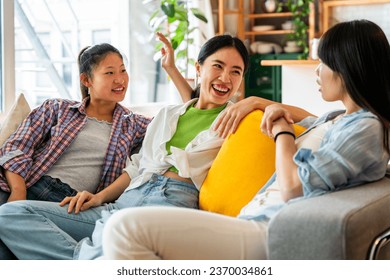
x=45 y=230
x=45 y=189
x=49 y=189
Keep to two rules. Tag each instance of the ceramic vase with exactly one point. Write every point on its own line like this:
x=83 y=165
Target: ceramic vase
x=269 y=6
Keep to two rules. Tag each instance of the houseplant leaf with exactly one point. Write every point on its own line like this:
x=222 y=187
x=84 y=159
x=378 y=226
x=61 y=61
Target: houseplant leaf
x=199 y=14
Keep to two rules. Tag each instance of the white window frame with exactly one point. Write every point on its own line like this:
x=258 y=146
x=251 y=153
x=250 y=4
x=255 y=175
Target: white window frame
x=8 y=63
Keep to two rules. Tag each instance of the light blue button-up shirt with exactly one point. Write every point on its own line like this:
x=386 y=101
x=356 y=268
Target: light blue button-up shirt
x=351 y=153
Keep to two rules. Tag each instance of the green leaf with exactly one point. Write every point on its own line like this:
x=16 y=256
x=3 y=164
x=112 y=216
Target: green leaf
x=174 y=44
x=182 y=15
x=199 y=14
x=181 y=8
x=168 y=9
x=177 y=39
x=171 y=19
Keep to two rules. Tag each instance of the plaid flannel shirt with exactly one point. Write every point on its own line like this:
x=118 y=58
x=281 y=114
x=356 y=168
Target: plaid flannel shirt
x=49 y=130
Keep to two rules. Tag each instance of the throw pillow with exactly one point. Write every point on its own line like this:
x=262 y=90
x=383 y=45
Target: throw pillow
x=243 y=165
x=14 y=118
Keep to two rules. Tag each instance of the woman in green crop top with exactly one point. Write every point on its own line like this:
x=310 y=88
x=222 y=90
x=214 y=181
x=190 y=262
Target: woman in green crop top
x=178 y=149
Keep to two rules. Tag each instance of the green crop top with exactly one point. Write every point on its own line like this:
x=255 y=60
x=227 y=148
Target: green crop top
x=189 y=125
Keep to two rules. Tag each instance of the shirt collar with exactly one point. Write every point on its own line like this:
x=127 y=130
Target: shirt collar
x=81 y=105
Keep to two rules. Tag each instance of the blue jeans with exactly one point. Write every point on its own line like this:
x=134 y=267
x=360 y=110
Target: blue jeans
x=46 y=189
x=45 y=230
x=49 y=189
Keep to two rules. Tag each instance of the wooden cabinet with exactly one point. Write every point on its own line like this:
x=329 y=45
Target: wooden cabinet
x=259 y=80
x=266 y=19
x=250 y=13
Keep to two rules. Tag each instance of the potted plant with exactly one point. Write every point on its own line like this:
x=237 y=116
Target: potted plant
x=172 y=19
x=300 y=10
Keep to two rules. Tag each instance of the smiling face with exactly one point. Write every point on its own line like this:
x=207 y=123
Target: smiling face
x=221 y=75
x=109 y=79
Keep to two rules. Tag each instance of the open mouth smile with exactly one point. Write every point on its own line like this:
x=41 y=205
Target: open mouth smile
x=221 y=89
x=118 y=90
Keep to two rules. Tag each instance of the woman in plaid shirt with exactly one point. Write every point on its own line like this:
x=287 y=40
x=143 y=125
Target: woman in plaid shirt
x=64 y=147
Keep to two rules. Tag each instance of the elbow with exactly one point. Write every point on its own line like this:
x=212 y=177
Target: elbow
x=290 y=190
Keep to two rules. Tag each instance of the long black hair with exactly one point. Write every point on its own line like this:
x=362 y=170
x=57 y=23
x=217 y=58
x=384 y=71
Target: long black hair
x=215 y=44
x=89 y=58
x=359 y=52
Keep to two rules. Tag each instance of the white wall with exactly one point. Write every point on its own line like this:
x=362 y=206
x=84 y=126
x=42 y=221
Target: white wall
x=299 y=88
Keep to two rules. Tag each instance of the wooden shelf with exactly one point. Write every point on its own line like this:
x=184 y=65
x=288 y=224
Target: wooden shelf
x=268 y=15
x=288 y=62
x=270 y=32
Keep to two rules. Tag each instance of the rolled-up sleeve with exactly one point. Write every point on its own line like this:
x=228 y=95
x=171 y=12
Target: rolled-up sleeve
x=16 y=153
x=348 y=156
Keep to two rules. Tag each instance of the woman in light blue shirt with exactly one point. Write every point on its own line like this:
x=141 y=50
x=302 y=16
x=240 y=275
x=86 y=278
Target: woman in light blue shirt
x=339 y=150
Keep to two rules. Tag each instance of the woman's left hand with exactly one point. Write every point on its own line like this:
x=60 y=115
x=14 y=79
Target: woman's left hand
x=167 y=52
x=80 y=202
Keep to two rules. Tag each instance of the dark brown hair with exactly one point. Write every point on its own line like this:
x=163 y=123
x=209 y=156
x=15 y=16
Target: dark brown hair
x=89 y=58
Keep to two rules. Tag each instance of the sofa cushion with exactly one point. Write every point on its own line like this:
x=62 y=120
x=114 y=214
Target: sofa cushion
x=243 y=165
x=14 y=118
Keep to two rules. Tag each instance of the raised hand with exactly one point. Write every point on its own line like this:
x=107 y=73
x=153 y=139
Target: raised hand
x=167 y=52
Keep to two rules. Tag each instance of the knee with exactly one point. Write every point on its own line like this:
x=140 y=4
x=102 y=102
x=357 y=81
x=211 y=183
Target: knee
x=7 y=214
x=116 y=234
x=12 y=208
x=122 y=221
x=128 y=224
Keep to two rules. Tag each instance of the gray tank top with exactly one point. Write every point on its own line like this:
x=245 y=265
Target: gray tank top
x=81 y=165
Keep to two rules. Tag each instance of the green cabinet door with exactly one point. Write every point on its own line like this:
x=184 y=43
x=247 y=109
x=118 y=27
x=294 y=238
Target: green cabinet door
x=266 y=81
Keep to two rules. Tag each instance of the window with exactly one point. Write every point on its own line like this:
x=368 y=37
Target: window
x=44 y=37
x=7 y=90
x=100 y=36
x=1 y=58
x=50 y=33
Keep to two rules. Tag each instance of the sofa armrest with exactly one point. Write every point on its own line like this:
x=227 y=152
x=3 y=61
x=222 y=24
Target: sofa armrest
x=338 y=225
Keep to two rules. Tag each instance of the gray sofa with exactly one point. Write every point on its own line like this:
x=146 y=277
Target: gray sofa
x=348 y=224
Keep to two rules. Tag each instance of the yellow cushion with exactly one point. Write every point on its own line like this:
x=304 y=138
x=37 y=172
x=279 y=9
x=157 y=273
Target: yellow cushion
x=243 y=165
